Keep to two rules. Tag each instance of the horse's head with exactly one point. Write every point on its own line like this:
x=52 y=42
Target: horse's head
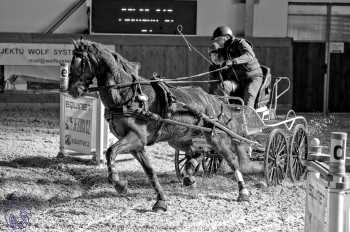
x=82 y=67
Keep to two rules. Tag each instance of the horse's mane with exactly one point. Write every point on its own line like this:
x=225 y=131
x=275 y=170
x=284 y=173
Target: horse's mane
x=113 y=59
x=128 y=66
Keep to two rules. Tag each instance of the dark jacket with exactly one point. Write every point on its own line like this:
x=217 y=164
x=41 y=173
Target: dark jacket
x=246 y=65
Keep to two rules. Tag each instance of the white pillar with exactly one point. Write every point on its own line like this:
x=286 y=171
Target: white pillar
x=100 y=122
x=336 y=210
x=61 y=152
x=64 y=75
x=336 y=188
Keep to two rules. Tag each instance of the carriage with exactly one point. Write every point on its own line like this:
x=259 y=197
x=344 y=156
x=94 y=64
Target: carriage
x=282 y=140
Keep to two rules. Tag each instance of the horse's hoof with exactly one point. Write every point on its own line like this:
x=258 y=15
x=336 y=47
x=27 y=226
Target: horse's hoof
x=261 y=185
x=60 y=155
x=188 y=181
x=160 y=205
x=110 y=179
x=121 y=187
x=243 y=195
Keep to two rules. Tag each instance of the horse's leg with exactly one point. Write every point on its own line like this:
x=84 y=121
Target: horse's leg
x=190 y=169
x=223 y=144
x=129 y=143
x=190 y=163
x=246 y=165
x=147 y=167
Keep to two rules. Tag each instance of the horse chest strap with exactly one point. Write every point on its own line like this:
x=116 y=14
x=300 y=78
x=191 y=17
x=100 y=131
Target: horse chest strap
x=130 y=111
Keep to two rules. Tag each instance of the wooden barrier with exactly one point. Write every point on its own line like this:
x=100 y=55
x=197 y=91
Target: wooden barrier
x=169 y=55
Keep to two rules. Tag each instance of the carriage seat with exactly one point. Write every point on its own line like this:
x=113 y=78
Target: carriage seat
x=263 y=96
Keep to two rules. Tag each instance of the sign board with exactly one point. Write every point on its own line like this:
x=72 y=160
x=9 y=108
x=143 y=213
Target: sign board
x=79 y=123
x=316 y=212
x=143 y=16
x=336 y=47
x=37 y=54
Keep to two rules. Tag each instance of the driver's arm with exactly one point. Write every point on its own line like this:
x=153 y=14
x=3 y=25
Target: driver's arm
x=247 y=53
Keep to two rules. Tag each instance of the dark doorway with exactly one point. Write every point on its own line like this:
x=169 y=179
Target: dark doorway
x=339 y=83
x=309 y=69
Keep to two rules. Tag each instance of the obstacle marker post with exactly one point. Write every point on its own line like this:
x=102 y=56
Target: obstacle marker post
x=82 y=124
x=100 y=131
x=64 y=71
x=328 y=188
x=337 y=185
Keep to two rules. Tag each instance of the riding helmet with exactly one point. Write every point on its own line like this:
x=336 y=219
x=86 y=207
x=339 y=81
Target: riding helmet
x=221 y=31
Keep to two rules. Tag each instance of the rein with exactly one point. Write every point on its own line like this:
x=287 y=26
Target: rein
x=190 y=46
x=178 y=80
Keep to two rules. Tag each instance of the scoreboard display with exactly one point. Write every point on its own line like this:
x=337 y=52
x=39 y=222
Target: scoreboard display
x=143 y=16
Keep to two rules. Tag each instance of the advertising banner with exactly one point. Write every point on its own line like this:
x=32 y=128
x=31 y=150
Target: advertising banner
x=36 y=54
x=79 y=123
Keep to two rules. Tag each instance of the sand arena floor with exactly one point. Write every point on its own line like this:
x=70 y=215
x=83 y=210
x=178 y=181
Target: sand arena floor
x=72 y=194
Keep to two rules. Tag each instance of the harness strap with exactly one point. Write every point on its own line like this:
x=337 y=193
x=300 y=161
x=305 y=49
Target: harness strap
x=177 y=80
x=148 y=115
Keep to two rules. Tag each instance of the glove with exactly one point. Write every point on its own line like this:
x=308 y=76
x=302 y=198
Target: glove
x=228 y=63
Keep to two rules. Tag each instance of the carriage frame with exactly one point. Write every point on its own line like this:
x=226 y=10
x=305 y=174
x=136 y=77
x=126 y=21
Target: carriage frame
x=280 y=142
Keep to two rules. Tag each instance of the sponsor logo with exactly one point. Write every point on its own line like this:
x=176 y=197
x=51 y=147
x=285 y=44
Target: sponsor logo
x=78 y=125
x=77 y=106
x=17 y=217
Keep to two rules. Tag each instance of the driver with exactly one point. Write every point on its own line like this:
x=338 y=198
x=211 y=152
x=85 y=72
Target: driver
x=243 y=76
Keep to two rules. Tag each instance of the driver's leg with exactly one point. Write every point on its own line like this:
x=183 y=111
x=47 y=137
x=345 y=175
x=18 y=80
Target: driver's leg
x=251 y=91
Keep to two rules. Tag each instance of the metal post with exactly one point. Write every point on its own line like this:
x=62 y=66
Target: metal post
x=61 y=152
x=64 y=70
x=336 y=209
x=99 y=131
x=327 y=62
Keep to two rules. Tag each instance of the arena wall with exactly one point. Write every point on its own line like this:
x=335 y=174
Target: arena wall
x=167 y=55
x=211 y=14
x=270 y=18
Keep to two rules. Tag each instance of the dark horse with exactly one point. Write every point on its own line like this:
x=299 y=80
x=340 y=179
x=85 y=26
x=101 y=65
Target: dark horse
x=135 y=130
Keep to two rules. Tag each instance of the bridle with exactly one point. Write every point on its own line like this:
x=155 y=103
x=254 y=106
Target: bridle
x=85 y=61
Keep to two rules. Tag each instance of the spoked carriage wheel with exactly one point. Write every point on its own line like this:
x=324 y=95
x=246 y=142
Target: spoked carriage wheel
x=211 y=164
x=181 y=160
x=298 y=153
x=276 y=157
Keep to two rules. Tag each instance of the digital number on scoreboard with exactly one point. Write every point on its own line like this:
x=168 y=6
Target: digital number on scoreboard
x=143 y=16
